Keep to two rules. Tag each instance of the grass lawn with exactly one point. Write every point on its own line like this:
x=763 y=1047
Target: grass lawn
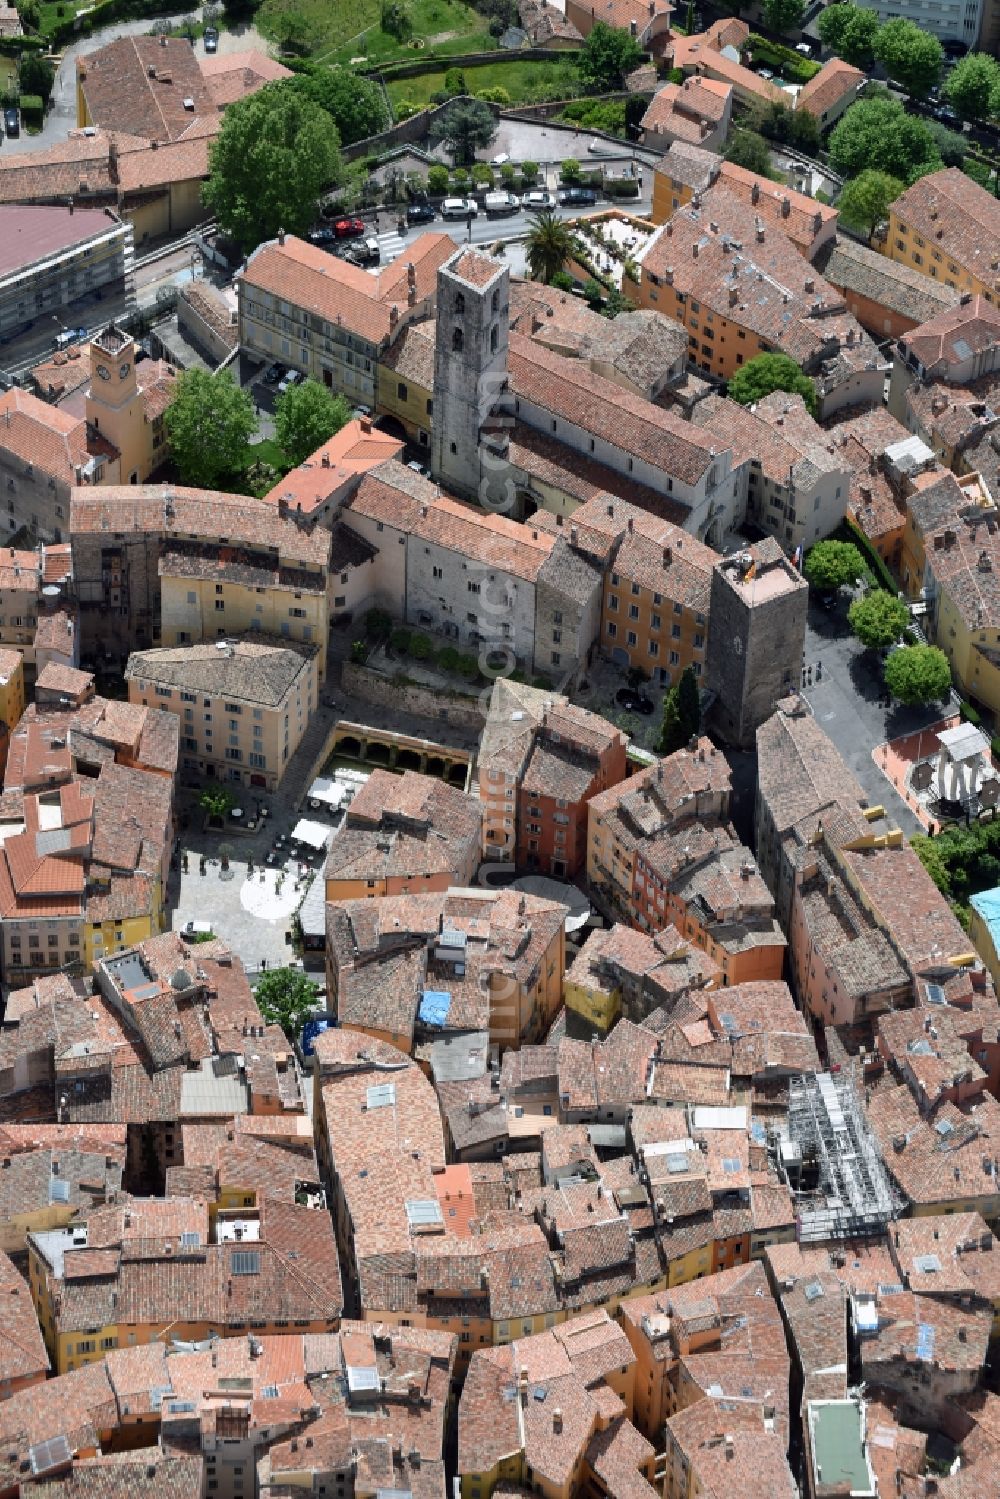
x=523 y=79
x=350 y=29
x=49 y=17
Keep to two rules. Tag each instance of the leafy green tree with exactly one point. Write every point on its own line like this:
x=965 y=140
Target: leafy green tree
x=465 y=127
x=877 y=133
x=547 y=246
x=615 y=303
x=972 y=84
x=831 y=564
x=607 y=57
x=437 y=180
x=571 y=170
x=918 y=674
x=562 y=281
x=36 y=75
x=910 y=55
x=217 y=801
x=355 y=104
x=681 y=713
x=396 y=19
x=529 y=171
x=864 y=201
x=274 y=155
x=879 y=619
x=209 y=423
x=29 y=13
x=783 y=16
x=951 y=145
x=454 y=81
x=767 y=372
x=745 y=148
x=306 y=416
x=850 y=32
x=286 y=997
x=284 y=22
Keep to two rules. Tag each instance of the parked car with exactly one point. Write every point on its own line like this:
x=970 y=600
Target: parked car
x=211 y=39
x=419 y=468
x=420 y=213
x=765 y=73
x=501 y=203
x=500 y=160
x=273 y=374
x=365 y=253
x=12 y=121
x=459 y=208
x=349 y=228
x=577 y=196
x=538 y=200
x=323 y=236
x=70 y=336
x=633 y=701
x=293 y=377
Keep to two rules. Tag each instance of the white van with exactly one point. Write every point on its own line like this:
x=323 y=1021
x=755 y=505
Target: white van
x=459 y=208
x=498 y=203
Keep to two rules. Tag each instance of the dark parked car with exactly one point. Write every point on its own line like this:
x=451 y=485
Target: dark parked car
x=634 y=702
x=420 y=213
x=324 y=236
x=582 y=196
x=12 y=121
x=273 y=374
x=211 y=39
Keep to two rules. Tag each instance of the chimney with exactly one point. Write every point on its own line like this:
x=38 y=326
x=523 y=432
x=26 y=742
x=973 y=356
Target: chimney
x=631 y=525
x=694 y=249
x=557 y=1421
x=325 y=460
x=281 y=236
x=411 y=285
x=574 y=535
x=163 y=41
x=786 y=207
x=734 y=296
x=668 y=275
x=393 y=315
x=633 y=27
x=366 y=424
x=668 y=556
x=112 y=164
x=810 y=283
x=755 y=193
x=71 y=207
x=758 y=225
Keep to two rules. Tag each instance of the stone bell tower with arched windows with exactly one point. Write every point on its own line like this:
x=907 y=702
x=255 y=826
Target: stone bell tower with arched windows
x=470 y=367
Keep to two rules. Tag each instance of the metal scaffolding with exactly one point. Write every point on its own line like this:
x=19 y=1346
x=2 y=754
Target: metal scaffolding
x=828 y=1139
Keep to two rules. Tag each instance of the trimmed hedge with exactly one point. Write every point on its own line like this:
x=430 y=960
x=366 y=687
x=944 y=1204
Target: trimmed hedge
x=792 y=65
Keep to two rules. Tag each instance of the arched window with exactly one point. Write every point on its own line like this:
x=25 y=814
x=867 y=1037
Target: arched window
x=494 y=339
x=457 y=341
x=459 y=303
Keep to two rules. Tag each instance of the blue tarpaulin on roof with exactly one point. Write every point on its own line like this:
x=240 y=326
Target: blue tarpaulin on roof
x=310 y=1031
x=434 y=1006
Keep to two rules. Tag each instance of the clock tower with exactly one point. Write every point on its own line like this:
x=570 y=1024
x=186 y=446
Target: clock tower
x=115 y=405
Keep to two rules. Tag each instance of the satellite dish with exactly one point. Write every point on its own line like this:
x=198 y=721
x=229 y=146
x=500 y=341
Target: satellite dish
x=989 y=792
x=922 y=776
x=181 y=980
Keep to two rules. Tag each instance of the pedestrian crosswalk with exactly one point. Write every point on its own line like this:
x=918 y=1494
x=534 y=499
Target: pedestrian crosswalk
x=390 y=245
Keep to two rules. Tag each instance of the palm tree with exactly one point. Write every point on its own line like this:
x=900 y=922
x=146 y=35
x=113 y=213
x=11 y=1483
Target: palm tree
x=548 y=245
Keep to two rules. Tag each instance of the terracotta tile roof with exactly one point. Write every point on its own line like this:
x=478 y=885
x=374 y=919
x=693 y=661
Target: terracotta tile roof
x=130 y=1475
x=235 y=75
x=835 y=80
x=552 y=463
x=340 y=293
x=205 y=515
x=139 y=85
x=975 y=325
x=702 y=53
x=681 y=109
x=22 y=1354
x=957 y=216
x=947 y=1255
x=46 y=437
x=690 y=165
x=411 y=355
x=261 y=670
x=940 y=1162
x=853 y=267
x=606 y=410
x=796 y=214
x=766 y=285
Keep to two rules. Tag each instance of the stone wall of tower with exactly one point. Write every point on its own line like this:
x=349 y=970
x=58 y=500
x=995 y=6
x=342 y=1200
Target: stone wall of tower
x=470 y=365
x=756 y=640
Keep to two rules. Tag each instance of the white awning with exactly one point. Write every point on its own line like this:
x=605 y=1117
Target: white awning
x=313 y=834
